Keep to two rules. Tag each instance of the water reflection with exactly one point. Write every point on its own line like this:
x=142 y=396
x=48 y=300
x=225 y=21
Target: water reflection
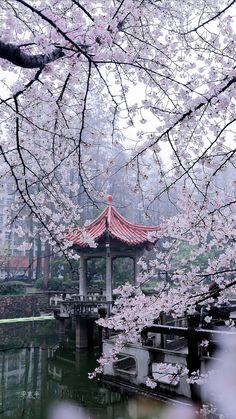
x=37 y=371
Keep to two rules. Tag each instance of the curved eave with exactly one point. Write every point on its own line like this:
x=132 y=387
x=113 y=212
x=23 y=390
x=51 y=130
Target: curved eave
x=111 y=221
x=128 y=241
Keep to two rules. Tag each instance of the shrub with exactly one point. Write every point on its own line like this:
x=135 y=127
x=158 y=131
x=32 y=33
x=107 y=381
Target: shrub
x=68 y=284
x=12 y=288
x=54 y=284
x=57 y=284
x=39 y=284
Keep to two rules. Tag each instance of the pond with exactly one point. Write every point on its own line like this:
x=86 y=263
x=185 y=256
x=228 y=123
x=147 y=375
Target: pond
x=36 y=370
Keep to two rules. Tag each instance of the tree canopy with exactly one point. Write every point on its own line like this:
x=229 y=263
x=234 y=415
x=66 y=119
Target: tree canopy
x=151 y=80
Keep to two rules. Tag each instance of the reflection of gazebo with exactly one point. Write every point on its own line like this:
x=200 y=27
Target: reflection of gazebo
x=114 y=237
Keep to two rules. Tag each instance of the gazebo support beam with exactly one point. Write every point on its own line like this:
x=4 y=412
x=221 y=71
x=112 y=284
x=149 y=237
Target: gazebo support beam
x=136 y=258
x=81 y=333
x=83 y=276
x=108 y=275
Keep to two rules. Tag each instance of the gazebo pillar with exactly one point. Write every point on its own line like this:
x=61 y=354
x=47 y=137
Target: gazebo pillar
x=136 y=266
x=135 y=269
x=108 y=275
x=83 y=276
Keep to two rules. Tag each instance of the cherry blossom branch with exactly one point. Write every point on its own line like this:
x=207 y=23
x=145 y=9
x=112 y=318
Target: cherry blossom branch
x=55 y=26
x=84 y=9
x=211 y=18
x=16 y=56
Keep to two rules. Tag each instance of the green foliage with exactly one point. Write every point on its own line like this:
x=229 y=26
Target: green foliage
x=39 y=284
x=64 y=269
x=68 y=284
x=57 y=284
x=96 y=272
x=54 y=284
x=12 y=288
x=123 y=271
x=186 y=251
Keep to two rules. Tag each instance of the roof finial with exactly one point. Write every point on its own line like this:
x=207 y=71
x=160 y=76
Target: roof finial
x=109 y=199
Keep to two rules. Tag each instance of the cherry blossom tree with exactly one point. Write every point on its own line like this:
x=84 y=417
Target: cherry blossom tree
x=156 y=78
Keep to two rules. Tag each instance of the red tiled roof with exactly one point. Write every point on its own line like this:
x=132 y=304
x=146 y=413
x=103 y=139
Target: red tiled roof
x=19 y=262
x=22 y=262
x=111 y=221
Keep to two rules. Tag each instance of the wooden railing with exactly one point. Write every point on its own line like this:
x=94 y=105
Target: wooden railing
x=193 y=337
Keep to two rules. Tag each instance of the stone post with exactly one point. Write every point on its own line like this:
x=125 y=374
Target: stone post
x=62 y=329
x=81 y=333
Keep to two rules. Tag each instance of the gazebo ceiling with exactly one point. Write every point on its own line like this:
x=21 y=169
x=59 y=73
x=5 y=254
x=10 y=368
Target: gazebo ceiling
x=111 y=222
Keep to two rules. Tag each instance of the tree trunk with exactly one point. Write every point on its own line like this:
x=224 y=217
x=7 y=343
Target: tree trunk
x=47 y=265
x=39 y=258
x=31 y=251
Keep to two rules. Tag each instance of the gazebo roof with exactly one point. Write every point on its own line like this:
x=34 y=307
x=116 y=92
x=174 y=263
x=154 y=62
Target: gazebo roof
x=112 y=222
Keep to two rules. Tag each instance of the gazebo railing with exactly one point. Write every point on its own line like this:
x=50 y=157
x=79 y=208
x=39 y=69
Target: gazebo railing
x=93 y=308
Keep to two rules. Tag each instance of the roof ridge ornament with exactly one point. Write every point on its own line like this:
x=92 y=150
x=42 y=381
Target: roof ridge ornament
x=109 y=199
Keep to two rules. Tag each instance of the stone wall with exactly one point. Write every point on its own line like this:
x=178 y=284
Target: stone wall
x=24 y=334
x=15 y=306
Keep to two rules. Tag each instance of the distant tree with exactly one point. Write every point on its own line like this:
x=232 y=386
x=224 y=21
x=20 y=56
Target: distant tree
x=4 y=260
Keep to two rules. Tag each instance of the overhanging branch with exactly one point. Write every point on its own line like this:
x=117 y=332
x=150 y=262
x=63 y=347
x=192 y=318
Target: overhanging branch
x=16 y=56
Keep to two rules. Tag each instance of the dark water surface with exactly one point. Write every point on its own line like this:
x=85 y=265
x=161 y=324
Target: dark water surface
x=35 y=371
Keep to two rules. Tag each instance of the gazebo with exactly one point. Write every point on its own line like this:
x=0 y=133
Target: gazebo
x=114 y=237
